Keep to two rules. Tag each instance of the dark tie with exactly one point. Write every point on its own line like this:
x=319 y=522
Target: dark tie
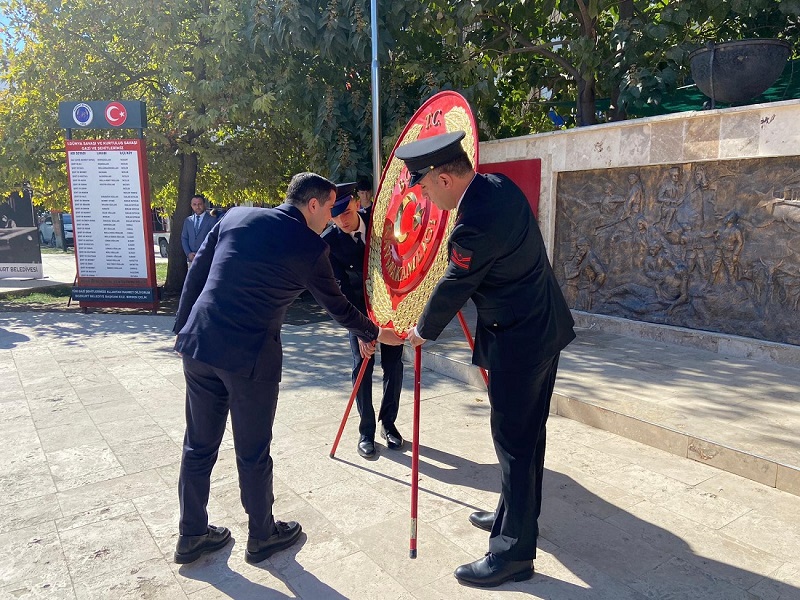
x=196 y=224
x=357 y=236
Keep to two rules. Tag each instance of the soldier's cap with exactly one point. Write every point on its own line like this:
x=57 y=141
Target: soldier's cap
x=344 y=194
x=423 y=156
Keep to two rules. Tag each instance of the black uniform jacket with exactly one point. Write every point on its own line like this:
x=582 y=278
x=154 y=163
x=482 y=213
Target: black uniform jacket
x=251 y=267
x=347 y=259
x=498 y=258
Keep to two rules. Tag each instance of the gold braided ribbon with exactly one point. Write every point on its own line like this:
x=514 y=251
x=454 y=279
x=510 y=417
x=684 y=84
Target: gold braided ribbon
x=410 y=308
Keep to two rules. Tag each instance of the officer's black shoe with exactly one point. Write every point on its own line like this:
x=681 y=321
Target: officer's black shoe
x=492 y=570
x=482 y=519
x=191 y=547
x=285 y=535
x=366 y=447
x=394 y=441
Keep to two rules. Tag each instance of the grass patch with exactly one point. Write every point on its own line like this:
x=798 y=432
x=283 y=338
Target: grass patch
x=48 y=294
x=49 y=250
x=161 y=273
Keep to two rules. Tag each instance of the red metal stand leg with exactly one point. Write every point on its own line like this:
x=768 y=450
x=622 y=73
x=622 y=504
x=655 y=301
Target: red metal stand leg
x=415 y=453
x=471 y=343
x=349 y=407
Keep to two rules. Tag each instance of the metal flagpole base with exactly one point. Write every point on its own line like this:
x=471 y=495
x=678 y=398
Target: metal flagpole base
x=415 y=453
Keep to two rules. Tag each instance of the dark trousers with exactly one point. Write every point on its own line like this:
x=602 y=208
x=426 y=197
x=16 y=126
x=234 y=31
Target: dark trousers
x=392 y=365
x=210 y=394
x=520 y=402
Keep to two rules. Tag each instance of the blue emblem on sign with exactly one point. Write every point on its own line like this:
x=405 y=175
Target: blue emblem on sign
x=82 y=114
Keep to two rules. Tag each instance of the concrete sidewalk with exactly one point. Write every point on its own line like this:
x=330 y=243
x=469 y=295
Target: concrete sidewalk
x=58 y=269
x=91 y=411
x=729 y=402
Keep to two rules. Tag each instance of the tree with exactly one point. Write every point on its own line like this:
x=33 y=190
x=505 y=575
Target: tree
x=557 y=52
x=209 y=97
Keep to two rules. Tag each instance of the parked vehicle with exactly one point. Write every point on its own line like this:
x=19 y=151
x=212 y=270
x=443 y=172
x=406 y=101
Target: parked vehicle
x=47 y=232
x=161 y=239
x=161 y=231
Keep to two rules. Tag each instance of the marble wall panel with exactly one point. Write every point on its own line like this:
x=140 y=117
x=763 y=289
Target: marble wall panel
x=701 y=140
x=634 y=145
x=593 y=148
x=739 y=133
x=666 y=141
x=780 y=131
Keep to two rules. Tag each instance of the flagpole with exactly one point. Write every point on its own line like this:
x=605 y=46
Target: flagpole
x=376 y=108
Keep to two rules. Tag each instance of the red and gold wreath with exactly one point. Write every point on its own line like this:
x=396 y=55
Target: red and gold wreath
x=407 y=251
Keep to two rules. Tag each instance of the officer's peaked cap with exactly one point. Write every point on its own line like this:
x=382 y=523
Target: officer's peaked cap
x=344 y=194
x=424 y=155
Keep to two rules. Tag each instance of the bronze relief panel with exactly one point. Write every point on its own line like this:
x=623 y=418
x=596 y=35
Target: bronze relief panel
x=712 y=246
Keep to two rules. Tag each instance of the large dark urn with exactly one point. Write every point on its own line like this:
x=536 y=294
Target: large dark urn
x=733 y=72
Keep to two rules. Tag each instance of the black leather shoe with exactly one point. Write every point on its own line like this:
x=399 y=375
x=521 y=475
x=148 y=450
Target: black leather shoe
x=482 y=519
x=492 y=570
x=285 y=536
x=366 y=447
x=191 y=547
x=394 y=441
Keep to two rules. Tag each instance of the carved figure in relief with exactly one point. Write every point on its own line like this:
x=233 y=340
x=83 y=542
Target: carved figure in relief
x=698 y=203
x=784 y=206
x=610 y=202
x=787 y=282
x=584 y=275
x=694 y=252
x=635 y=202
x=668 y=289
x=729 y=241
x=708 y=193
x=670 y=197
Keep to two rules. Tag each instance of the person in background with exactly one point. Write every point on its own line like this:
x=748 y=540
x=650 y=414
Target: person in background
x=196 y=227
x=364 y=189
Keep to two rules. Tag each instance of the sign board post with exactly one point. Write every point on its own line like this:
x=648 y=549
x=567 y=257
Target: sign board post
x=110 y=197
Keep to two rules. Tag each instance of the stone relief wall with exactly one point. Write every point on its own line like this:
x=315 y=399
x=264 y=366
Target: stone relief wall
x=711 y=245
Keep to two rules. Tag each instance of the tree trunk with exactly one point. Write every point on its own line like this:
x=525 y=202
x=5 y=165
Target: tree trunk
x=176 y=266
x=586 y=106
x=616 y=112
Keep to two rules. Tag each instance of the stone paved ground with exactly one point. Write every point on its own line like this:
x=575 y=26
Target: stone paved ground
x=91 y=418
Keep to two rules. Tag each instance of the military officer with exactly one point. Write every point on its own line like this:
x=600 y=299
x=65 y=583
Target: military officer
x=498 y=259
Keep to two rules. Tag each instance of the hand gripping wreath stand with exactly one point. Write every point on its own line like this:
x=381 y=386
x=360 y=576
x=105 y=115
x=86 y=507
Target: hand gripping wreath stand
x=407 y=252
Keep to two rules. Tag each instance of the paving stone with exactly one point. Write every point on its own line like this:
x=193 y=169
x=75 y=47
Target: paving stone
x=620 y=521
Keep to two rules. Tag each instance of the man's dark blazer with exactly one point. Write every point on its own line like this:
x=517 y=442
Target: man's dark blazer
x=498 y=258
x=252 y=266
x=347 y=259
x=190 y=240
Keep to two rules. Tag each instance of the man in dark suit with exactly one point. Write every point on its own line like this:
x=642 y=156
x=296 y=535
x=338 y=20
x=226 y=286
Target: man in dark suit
x=346 y=239
x=251 y=267
x=196 y=227
x=498 y=258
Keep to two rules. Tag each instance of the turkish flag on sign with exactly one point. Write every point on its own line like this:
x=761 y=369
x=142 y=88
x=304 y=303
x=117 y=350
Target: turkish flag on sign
x=116 y=114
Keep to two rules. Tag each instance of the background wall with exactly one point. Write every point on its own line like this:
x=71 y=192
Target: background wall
x=689 y=141
x=752 y=131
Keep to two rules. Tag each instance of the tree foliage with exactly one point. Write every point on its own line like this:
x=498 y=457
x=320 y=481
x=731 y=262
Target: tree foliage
x=243 y=93
x=210 y=98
